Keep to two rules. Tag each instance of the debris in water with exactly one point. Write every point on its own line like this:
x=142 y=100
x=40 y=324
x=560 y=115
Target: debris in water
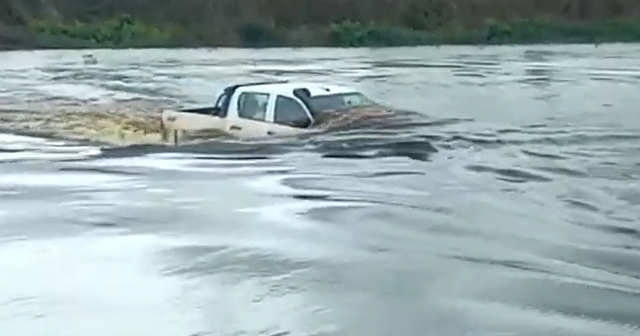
x=89 y=59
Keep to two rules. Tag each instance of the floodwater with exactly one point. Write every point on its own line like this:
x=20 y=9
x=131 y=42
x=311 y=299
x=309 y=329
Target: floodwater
x=510 y=206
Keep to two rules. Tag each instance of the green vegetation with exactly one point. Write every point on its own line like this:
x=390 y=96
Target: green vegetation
x=124 y=32
x=113 y=33
x=343 y=23
x=550 y=31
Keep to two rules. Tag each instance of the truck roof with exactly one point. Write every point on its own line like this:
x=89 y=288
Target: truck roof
x=286 y=88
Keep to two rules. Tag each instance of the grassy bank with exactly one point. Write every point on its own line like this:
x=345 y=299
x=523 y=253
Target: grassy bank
x=116 y=32
x=348 y=23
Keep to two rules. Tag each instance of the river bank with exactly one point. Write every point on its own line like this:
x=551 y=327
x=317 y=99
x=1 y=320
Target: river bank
x=333 y=23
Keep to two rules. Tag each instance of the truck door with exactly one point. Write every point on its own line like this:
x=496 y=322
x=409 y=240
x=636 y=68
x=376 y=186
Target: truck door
x=252 y=109
x=289 y=117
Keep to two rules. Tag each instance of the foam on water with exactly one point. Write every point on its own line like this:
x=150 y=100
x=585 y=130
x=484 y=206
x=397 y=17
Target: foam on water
x=289 y=211
x=291 y=214
x=186 y=163
x=54 y=281
x=15 y=147
x=10 y=139
x=66 y=180
x=274 y=184
x=84 y=92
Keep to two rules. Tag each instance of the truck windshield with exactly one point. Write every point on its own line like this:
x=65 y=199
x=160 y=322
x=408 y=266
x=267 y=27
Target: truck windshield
x=338 y=101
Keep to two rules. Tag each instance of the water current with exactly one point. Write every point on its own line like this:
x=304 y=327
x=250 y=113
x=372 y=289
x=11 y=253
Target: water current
x=510 y=207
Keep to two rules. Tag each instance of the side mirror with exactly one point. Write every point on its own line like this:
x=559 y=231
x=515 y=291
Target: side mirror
x=302 y=123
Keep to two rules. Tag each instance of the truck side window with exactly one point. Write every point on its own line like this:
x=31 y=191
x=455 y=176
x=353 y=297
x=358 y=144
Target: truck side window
x=289 y=112
x=220 y=109
x=253 y=105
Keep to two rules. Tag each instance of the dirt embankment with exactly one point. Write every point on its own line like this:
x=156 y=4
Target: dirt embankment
x=313 y=22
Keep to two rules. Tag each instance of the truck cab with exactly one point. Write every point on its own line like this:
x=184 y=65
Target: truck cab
x=265 y=109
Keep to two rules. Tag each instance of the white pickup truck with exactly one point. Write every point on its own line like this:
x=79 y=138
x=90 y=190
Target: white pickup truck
x=263 y=109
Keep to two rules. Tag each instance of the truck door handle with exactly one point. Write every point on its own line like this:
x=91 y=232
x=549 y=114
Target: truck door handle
x=271 y=132
x=235 y=128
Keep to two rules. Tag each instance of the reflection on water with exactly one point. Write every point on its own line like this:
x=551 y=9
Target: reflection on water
x=509 y=206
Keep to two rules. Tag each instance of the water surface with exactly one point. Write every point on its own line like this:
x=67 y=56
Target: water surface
x=510 y=208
